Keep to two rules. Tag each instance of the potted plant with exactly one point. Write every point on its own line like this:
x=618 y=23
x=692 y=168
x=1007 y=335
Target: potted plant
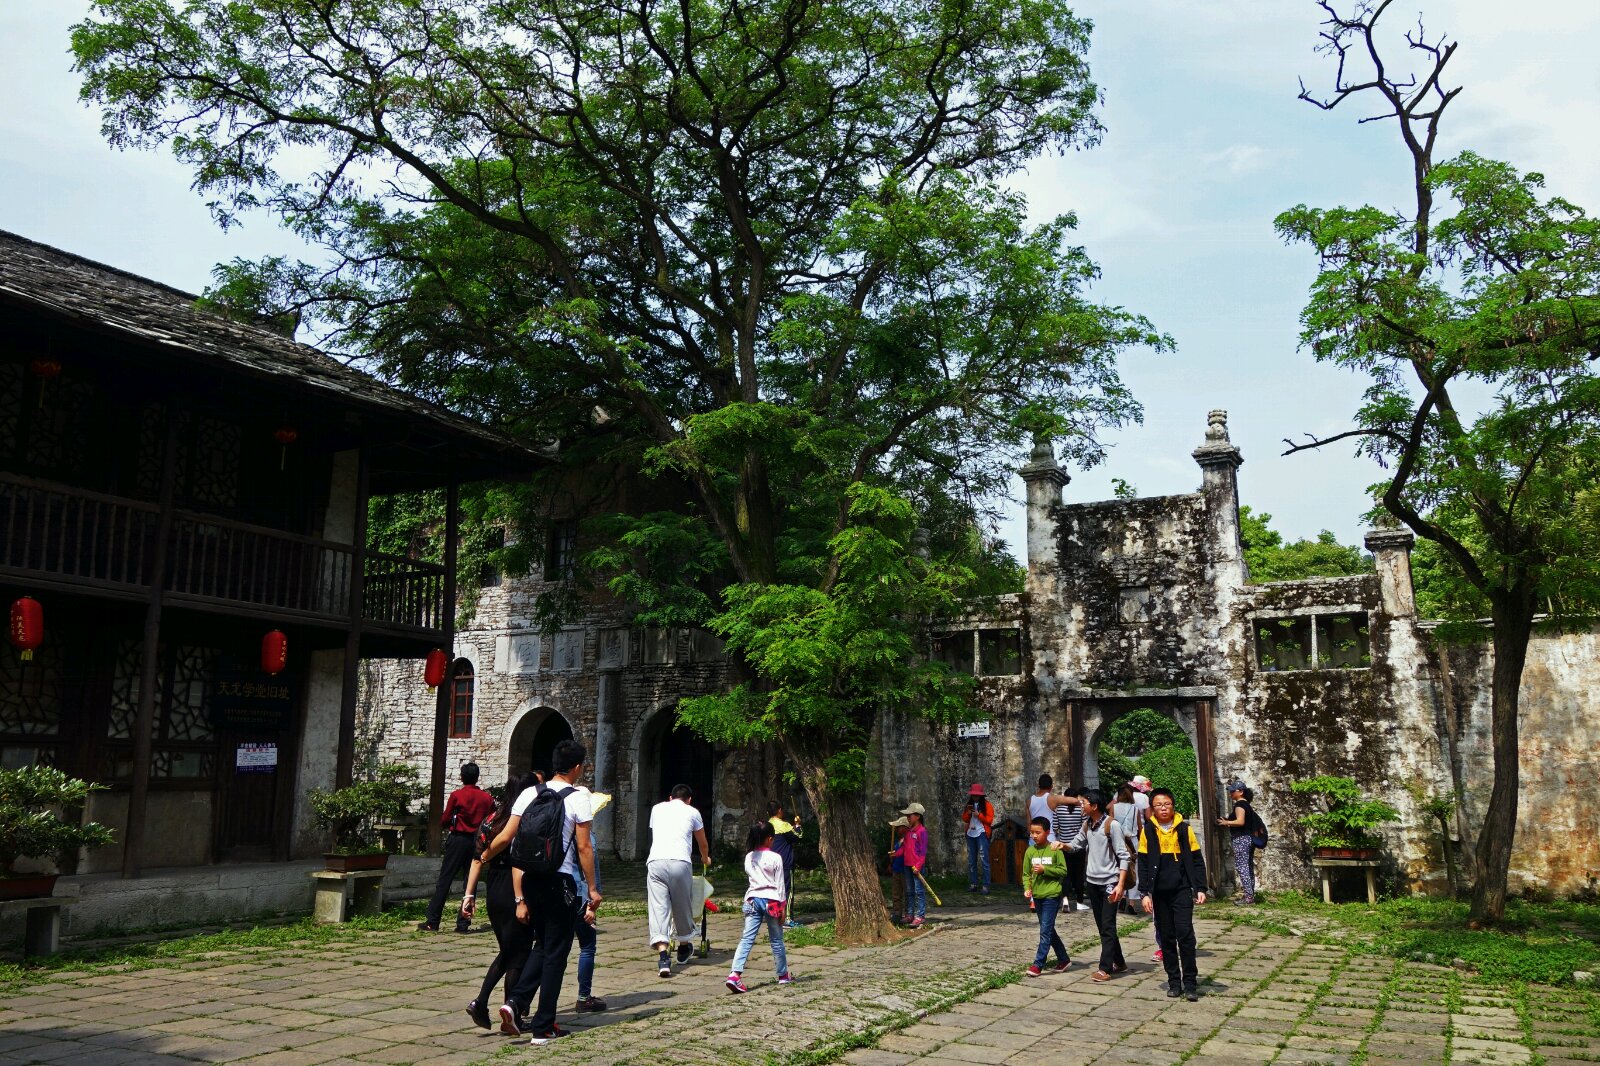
x=1346 y=827
x=349 y=814
x=31 y=827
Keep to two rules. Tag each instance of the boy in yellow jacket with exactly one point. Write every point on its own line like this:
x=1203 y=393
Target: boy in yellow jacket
x=1172 y=879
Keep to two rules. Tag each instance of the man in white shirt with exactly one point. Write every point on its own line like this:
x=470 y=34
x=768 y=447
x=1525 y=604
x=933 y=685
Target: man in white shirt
x=549 y=902
x=669 y=876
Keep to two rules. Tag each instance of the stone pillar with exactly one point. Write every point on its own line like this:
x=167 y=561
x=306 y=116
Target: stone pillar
x=1044 y=479
x=1219 y=461
x=1391 y=551
x=607 y=708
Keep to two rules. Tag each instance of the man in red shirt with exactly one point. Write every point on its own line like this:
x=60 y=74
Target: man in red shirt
x=464 y=811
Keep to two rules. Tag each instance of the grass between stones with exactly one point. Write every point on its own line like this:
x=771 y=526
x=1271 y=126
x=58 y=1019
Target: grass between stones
x=1545 y=943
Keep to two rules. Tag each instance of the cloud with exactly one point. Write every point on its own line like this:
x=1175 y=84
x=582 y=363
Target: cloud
x=1237 y=160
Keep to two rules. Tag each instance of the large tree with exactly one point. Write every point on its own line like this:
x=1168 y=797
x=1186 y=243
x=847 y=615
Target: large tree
x=1475 y=313
x=757 y=249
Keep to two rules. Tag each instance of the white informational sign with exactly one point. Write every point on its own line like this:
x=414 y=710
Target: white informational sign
x=972 y=729
x=256 y=758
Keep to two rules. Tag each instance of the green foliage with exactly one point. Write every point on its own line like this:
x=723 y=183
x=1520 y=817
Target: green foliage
x=753 y=262
x=1174 y=767
x=1346 y=820
x=31 y=825
x=349 y=813
x=1270 y=559
x=1115 y=767
x=1143 y=730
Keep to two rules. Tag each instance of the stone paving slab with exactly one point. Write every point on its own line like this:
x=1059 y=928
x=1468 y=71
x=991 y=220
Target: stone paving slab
x=397 y=997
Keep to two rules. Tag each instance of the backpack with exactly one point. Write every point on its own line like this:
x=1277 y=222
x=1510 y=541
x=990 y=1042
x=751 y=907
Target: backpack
x=538 y=847
x=1258 y=828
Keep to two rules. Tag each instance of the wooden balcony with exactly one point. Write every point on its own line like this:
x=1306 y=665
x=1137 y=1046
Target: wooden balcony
x=106 y=544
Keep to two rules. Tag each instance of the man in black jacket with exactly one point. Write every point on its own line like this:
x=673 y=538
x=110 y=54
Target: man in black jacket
x=1172 y=879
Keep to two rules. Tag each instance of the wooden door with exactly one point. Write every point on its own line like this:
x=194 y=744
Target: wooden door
x=249 y=795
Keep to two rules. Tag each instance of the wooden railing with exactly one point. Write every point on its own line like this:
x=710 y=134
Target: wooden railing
x=75 y=534
x=217 y=559
x=97 y=540
x=403 y=591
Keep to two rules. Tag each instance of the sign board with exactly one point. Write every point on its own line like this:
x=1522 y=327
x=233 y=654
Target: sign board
x=970 y=730
x=251 y=701
x=256 y=758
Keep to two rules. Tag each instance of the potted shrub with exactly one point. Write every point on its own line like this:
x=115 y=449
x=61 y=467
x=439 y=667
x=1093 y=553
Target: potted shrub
x=31 y=827
x=1346 y=827
x=349 y=815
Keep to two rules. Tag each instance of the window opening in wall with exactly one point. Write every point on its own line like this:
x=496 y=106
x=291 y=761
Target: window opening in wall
x=656 y=646
x=489 y=576
x=1283 y=643
x=999 y=652
x=954 y=650
x=463 y=685
x=560 y=555
x=1342 y=642
x=1325 y=641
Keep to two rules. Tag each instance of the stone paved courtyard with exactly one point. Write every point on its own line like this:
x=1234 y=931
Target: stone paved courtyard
x=943 y=997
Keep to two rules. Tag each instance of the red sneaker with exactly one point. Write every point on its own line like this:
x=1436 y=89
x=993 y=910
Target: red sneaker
x=1032 y=971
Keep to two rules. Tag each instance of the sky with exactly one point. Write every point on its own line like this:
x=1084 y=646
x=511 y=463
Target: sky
x=1205 y=143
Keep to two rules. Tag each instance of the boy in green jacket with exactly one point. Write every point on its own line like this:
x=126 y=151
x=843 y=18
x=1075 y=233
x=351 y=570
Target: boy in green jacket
x=1043 y=869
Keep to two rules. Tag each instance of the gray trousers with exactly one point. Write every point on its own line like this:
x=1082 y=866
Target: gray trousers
x=671 y=901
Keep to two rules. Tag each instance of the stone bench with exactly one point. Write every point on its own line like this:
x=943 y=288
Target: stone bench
x=1326 y=867
x=43 y=933
x=340 y=897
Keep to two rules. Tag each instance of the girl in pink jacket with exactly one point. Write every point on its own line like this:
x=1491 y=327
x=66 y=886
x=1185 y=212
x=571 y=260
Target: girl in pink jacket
x=913 y=851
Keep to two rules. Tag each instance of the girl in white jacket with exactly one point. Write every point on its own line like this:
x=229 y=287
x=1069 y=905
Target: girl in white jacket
x=764 y=902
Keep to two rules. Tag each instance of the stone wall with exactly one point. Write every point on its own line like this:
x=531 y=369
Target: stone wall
x=1129 y=603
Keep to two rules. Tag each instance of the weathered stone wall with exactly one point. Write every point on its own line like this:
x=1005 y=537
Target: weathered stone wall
x=1129 y=603
x=1558 y=830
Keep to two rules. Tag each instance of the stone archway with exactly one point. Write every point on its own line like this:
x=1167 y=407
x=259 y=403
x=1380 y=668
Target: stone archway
x=534 y=737
x=668 y=754
x=1091 y=718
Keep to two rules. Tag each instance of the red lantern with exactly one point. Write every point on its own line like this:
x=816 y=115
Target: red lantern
x=285 y=436
x=27 y=626
x=274 y=652
x=434 y=668
x=44 y=368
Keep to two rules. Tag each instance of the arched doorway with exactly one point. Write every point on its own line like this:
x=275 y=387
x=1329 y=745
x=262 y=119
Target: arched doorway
x=534 y=740
x=670 y=754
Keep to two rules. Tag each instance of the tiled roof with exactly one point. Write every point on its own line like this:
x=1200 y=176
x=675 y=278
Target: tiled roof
x=79 y=289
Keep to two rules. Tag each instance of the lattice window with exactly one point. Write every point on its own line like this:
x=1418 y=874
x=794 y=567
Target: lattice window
x=183 y=693
x=152 y=438
x=213 y=465
x=124 y=691
x=1342 y=642
x=463 y=683
x=185 y=714
x=58 y=439
x=12 y=379
x=31 y=693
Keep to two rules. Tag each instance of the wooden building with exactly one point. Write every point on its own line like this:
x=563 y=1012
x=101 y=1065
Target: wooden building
x=173 y=486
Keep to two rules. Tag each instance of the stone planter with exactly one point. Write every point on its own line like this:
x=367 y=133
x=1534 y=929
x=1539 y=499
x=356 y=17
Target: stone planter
x=343 y=864
x=27 y=886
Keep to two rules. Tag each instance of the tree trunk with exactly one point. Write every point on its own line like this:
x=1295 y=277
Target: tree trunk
x=1513 y=625
x=860 y=916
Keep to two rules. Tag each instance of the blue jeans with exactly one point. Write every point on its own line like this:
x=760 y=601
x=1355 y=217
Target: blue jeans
x=916 y=895
x=1047 y=909
x=586 y=943
x=755 y=916
x=978 y=856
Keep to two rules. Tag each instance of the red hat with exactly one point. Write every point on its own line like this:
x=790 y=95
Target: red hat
x=975 y=790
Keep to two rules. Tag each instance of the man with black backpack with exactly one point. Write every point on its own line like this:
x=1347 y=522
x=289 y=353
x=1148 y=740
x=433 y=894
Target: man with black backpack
x=1172 y=879
x=551 y=848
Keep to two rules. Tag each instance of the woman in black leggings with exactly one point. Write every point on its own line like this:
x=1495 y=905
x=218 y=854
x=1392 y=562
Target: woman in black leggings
x=515 y=938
